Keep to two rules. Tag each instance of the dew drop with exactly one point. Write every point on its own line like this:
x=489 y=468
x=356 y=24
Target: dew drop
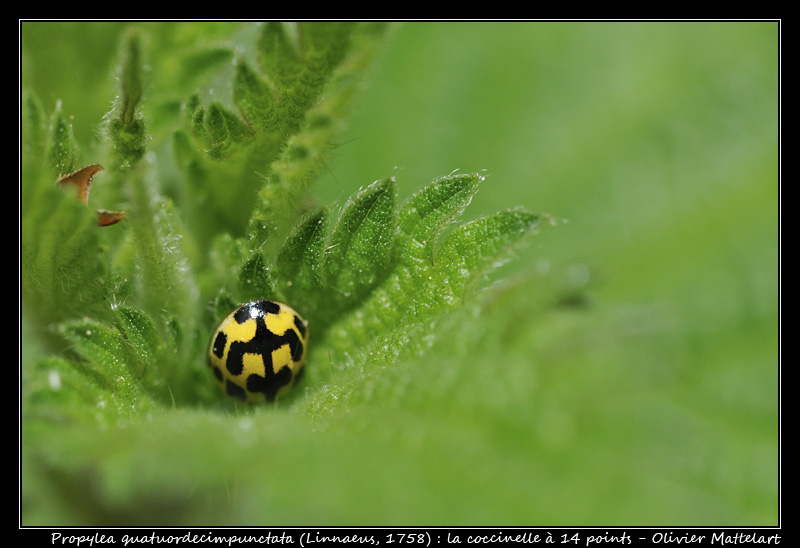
x=578 y=274
x=54 y=380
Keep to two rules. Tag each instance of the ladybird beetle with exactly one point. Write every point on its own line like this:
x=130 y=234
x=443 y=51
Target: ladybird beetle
x=258 y=350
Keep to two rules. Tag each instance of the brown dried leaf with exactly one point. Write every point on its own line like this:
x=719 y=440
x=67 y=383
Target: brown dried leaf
x=108 y=218
x=82 y=180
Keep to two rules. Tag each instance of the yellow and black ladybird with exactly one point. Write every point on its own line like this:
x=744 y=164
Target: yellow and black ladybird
x=258 y=350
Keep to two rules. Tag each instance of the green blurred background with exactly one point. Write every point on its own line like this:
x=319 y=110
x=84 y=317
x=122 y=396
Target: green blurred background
x=639 y=372
x=658 y=144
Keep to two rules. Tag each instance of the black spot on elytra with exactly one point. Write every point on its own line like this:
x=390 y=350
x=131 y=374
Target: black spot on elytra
x=219 y=344
x=295 y=344
x=301 y=327
x=269 y=387
x=234 y=390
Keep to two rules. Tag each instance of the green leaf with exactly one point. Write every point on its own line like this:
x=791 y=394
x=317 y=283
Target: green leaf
x=61 y=390
x=255 y=279
x=65 y=269
x=34 y=128
x=421 y=288
x=196 y=114
x=329 y=39
x=326 y=45
x=127 y=128
x=62 y=153
x=105 y=349
x=225 y=130
x=278 y=141
x=425 y=214
x=299 y=262
x=130 y=140
x=360 y=248
x=224 y=304
x=131 y=76
x=161 y=274
x=477 y=247
x=254 y=98
x=280 y=56
x=141 y=334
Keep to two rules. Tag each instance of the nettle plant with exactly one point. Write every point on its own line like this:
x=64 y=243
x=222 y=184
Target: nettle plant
x=170 y=234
